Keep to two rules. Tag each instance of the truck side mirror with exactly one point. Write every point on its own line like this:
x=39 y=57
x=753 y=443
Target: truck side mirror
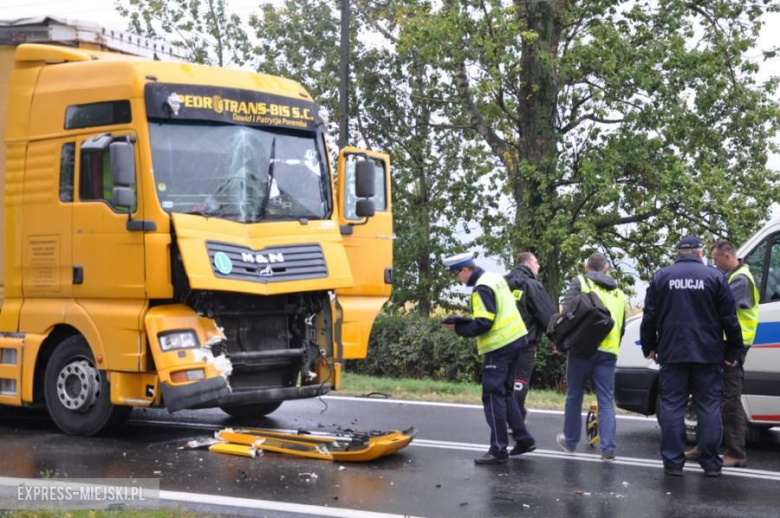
x=124 y=197
x=364 y=208
x=364 y=179
x=122 y=163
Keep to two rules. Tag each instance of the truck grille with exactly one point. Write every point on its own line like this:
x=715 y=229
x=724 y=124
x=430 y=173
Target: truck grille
x=271 y=264
x=256 y=333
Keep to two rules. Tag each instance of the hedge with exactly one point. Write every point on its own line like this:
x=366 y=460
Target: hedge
x=410 y=346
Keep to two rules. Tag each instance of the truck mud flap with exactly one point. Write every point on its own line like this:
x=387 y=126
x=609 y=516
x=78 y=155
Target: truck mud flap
x=194 y=395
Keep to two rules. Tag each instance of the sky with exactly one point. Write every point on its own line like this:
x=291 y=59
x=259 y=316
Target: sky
x=103 y=12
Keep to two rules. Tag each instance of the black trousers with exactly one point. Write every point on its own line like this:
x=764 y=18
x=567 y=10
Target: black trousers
x=734 y=418
x=523 y=372
x=499 y=405
x=677 y=381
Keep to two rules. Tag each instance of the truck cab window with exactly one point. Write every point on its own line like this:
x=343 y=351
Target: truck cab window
x=380 y=190
x=67 y=164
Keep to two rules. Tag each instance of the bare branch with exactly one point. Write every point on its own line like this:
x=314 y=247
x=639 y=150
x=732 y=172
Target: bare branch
x=588 y=116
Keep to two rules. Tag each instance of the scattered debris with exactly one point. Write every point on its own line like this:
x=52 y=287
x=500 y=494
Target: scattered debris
x=198 y=444
x=526 y=506
x=626 y=484
x=308 y=476
x=342 y=468
x=234 y=449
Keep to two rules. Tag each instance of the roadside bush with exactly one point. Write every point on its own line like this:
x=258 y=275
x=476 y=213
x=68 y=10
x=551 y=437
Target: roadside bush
x=410 y=346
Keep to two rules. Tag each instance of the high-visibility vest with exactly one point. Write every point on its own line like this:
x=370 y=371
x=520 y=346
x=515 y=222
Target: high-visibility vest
x=748 y=317
x=508 y=325
x=615 y=302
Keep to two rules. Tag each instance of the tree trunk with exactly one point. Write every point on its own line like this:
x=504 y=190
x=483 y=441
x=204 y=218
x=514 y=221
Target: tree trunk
x=538 y=135
x=422 y=205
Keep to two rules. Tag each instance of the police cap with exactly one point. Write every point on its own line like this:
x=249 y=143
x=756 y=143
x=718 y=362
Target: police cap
x=457 y=261
x=689 y=242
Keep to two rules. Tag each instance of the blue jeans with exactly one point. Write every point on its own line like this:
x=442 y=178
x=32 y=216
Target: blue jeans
x=601 y=366
x=499 y=405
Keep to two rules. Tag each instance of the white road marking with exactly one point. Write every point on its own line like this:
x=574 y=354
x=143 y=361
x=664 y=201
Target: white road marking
x=550 y=454
x=591 y=457
x=650 y=419
x=230 y=501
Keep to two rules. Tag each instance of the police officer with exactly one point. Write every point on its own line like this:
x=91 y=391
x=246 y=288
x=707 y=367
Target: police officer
x=536 y=308
x=500 y=334
x=688 y=307
x=743 y=287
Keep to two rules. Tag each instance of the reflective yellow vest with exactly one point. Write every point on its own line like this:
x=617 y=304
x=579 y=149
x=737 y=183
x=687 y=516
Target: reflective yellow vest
x=748 y=317
x=615 y=302
x=508 y=325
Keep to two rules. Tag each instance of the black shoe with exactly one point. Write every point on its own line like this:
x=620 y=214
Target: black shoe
x=489 y=458
x=521 y=448
x=673 y=472
x=712 y=474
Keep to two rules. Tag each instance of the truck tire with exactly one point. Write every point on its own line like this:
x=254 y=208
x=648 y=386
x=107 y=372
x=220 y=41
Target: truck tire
x=77 y=393
x=256 y=410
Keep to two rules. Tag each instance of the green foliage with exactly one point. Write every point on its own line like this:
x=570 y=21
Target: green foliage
x=203 y=28
x=410 y=346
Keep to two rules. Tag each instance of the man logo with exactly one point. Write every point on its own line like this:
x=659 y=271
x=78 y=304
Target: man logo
x=266 y=272
x=216 y=102
x=223 y=263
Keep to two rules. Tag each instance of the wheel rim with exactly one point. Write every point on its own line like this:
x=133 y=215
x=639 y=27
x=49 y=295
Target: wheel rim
x=78 y=386
x=691 y=417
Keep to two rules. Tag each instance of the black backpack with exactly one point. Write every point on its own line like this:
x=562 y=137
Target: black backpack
x=582 y=325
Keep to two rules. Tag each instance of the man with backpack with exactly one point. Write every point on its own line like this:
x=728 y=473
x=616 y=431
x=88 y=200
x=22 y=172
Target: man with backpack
x=536 y=308
x=598 y=364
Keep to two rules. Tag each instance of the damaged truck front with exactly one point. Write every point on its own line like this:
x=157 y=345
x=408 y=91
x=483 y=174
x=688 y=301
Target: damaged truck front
x=173 y=236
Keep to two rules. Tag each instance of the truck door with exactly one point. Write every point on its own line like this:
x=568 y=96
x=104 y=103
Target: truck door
x=108 y=254
x=369 y=247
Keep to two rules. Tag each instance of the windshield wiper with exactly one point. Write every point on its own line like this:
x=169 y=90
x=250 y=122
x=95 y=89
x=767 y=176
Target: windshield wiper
x=269 y=182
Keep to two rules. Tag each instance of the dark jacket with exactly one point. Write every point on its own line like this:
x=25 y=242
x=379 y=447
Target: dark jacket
x=532 y=300
x=603 y=280
x=688 y=307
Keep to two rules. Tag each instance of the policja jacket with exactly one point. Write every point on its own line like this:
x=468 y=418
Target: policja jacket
x=688 y=307
x=533 y=302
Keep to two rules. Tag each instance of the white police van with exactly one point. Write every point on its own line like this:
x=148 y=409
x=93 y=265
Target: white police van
x=636 y=378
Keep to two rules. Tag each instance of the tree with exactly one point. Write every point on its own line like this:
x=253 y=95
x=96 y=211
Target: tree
x=617 y=125
x=203 y=28
x=394 y=101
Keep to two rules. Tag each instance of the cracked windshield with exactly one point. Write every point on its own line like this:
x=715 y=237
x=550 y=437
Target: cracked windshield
x=239 y=173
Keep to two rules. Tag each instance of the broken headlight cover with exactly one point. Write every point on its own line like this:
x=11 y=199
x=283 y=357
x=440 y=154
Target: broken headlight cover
x=173 y=340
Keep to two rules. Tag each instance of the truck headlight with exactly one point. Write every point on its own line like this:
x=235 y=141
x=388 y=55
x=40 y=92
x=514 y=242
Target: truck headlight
x=178 y=340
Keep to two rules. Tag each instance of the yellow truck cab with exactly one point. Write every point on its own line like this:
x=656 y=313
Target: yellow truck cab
x=173 y=235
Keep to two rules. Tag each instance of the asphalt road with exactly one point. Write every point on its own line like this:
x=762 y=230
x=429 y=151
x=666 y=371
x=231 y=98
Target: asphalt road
x=435 y=476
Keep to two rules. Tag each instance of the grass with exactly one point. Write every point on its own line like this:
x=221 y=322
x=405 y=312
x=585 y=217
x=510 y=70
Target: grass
x=431 y=390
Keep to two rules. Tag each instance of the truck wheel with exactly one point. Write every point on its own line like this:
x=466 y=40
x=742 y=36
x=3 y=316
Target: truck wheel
x=690 y=420
x=77 y=393
x=256 y=410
